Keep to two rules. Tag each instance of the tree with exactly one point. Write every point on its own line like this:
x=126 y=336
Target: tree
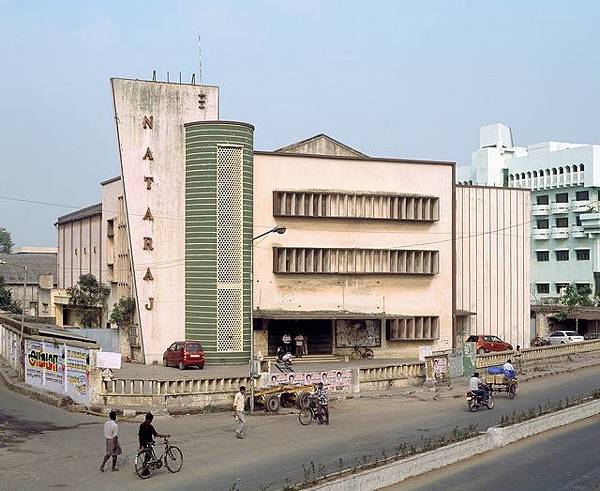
x=88 y=297
x=573 y=296
x=6 y=243
x=6 y=301
x=123 y=312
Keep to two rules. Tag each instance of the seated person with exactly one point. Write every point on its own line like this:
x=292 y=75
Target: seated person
x=477 y=386
x=509 y=369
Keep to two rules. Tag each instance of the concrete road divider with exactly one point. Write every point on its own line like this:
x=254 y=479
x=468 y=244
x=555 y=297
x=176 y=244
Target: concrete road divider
x=398 y=470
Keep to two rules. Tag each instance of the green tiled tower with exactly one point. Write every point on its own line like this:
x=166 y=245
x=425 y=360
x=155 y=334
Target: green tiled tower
x=218 y=238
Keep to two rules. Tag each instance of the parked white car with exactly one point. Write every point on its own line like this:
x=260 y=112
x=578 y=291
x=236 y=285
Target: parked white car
x=564 y=337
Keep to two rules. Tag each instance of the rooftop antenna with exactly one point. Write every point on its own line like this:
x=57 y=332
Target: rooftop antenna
x=193 y=79
x=168 y=77
x=154 y=75
x=199 y=59
x=179 y=78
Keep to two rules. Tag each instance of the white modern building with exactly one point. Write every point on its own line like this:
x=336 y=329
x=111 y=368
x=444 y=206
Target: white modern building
x=565 y=224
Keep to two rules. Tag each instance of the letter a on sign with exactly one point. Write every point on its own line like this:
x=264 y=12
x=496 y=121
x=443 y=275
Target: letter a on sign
x=148 y=215
x=148 y=155
x=148 y=123
x=150 y=304
x=148 y=244
x=148 y=276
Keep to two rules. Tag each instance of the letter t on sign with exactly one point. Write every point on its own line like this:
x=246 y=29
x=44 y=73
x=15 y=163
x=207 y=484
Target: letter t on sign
x=149 y=181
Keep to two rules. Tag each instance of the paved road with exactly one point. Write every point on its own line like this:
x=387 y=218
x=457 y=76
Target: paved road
x=276 y=446
x=556 y=460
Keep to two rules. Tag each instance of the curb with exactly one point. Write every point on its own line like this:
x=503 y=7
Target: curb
x=41 y=395
x=495 y=437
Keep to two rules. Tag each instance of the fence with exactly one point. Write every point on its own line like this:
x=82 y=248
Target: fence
x=191 y=393
x=62 y=366
x=9 y=345
x=529 y=355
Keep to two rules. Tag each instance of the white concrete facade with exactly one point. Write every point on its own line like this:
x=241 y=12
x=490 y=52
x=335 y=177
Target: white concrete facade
x=150 y=119
x=354 y=296
x=492 y=263
x=564 y=179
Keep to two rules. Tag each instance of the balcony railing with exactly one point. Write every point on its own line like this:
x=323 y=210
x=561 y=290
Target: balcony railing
x=540 y=234
x=559 y=233
x=540 y=210
x=580 y=206
x=578 y=232
x=559 y=208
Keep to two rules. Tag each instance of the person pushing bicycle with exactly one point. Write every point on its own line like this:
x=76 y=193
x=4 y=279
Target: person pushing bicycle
x=147 y=432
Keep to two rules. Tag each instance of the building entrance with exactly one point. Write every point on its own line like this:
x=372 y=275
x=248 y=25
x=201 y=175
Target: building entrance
x=317 y=334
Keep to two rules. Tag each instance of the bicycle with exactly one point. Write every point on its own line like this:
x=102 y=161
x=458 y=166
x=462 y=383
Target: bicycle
x=311 y=413
x=361 y=352
x=146 y=461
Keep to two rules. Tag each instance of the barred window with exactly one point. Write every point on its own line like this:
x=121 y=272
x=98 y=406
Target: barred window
x=355 y=205
x=302 y=260
x=413 y=328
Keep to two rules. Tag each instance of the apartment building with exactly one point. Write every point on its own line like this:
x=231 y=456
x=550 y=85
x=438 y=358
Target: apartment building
x=564 y=179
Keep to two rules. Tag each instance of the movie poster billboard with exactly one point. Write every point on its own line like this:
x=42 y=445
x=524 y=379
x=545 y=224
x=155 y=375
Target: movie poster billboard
x=59 y=368
x=332 y=379
x=44 y=365
x=354 y=332
x=77 y=361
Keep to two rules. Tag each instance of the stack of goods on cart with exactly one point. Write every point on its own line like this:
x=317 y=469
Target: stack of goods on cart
x=495 y=375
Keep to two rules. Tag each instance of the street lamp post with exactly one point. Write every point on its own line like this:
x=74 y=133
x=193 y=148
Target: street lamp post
x=275 y=230
x=21 y=342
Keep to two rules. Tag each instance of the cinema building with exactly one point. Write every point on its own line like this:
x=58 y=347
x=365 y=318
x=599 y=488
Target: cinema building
x=368 y=255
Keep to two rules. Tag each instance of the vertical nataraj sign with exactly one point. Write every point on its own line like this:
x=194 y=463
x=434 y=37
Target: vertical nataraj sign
x=150 y=118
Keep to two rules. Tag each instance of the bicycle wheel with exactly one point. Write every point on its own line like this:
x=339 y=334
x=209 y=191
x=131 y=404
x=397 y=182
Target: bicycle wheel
x=142 y=464
x=174 y=459
x=305 y=416
x=368 y=354
x=356 y=355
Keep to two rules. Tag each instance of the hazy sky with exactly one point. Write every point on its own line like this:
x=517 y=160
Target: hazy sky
x=396 y=78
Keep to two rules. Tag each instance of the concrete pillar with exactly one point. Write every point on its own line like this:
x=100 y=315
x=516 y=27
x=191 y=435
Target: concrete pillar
x=542 y=327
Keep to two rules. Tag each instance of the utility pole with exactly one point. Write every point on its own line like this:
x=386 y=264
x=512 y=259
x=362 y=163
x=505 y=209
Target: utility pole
x=277 y=230
x=23 y=324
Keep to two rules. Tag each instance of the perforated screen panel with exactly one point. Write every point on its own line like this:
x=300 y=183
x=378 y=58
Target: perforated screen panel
x=230 y=315
x=229 y=249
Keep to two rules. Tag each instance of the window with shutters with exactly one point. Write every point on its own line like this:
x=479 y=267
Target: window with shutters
x=322 y=204
x=303 y=260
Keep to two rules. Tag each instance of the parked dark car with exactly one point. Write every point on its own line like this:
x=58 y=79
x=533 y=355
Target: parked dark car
x=184 y=354
x=486 y=343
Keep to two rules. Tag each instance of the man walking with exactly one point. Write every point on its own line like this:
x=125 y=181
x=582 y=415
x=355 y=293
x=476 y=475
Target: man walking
x=239 y=402
x=113 y=448
x=299 y=339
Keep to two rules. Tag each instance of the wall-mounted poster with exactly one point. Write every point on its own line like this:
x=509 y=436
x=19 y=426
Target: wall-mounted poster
x=44 y=365
x=332 y=379
x=352 y=332
x=78 y=374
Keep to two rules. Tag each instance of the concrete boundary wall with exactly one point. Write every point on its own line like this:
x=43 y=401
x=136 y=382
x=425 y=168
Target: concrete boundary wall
x=495 y=437
x=529 y=355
